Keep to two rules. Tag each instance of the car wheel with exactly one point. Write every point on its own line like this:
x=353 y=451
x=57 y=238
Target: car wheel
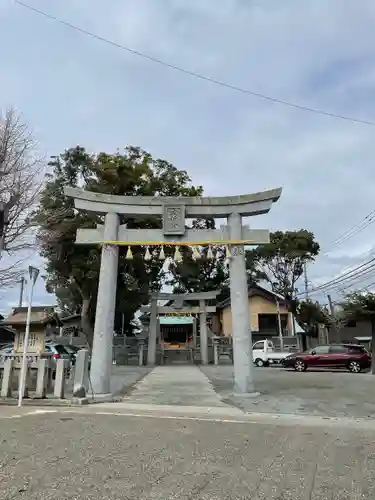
x=354 y=367
x=300 y=366
x=259 y=362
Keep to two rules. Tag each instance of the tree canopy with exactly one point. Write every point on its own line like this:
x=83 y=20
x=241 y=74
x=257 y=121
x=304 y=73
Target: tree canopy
x=311 y=314
x=360 y=306
x=73 y=270
x=282 y=260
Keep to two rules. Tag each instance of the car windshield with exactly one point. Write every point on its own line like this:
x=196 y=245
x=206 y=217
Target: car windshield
x=6 y=350
x=71 y=348
x=60 y=349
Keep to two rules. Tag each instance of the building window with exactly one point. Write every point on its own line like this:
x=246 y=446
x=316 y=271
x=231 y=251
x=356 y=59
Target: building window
x=351 y=323
x=269 y=323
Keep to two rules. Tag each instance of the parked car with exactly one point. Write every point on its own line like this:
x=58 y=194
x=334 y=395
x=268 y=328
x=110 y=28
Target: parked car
x=58 y=351
x=72 y=350
x=350 y=356
x=265 y=354
x=5 y=349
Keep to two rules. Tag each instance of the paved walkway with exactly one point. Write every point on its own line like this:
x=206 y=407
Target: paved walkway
x=175 y=385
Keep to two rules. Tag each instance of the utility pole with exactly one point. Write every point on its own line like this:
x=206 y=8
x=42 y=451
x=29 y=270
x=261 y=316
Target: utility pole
x=23 y=282
x=332 y=311
x=331 y=306
x=279 y=324
x=306 y=281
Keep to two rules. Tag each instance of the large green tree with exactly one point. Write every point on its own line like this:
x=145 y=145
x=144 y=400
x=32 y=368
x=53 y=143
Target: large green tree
x=310 y=315
x=360 y=306
x=72 y=270
x=283 y=259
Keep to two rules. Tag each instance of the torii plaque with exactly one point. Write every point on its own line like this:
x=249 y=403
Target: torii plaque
x=174 y=232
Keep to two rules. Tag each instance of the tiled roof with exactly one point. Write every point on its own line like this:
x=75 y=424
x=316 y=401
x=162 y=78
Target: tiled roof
x=39 y=315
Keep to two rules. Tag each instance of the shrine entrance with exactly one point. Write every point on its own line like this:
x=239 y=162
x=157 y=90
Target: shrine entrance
x=174 y=232
x=180 y=327
x=176 y=331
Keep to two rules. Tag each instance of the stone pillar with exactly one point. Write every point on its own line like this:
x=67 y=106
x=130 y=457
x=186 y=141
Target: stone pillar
x=151 y=352
x=241 y=326
x=158 y=339
x=27 y=382
x=81 y=370
x=42 y=378
x=141 y=346
x=101 y=360
x=216 y=342
x=6 y=386
x=203 y=331
x=194 y=333
x=59 y=379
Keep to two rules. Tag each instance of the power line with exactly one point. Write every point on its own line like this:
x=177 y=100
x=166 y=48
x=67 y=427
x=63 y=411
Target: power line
x=341 y=285
x=354 y=280
x=355 y=229
x=192 y=73
x=345 y=276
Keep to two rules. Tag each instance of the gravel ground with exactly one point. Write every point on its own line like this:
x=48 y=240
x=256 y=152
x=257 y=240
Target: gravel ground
x=107 y=457
x=330 y=394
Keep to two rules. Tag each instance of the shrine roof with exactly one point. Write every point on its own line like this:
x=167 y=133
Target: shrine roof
x=41 y=315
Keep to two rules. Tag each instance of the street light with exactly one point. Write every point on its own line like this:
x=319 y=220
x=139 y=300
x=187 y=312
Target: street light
x=33 y=272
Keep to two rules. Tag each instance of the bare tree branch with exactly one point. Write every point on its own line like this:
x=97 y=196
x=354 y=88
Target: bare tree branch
x=20 y=184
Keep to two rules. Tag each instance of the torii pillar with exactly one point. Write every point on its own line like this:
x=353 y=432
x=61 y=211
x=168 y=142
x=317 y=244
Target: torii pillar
x=174 y=211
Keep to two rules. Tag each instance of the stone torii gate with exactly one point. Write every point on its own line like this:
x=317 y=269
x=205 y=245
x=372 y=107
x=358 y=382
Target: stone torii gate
x=177 y=306
x=174 y=211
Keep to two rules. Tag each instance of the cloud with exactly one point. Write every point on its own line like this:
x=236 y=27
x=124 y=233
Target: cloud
x=316 y=53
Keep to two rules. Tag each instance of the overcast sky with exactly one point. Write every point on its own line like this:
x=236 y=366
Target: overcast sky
x=73 y=89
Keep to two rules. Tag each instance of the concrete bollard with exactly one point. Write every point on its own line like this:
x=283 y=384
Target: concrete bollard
x=81 y=372
x=59 y=379
x=216 y=353
x=6 y=386
x=140 y=355
x=42 y=379
x=25 y=394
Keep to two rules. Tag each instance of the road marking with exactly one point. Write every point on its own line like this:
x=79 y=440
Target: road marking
x=253 y=418
x=247 y=418
x=28 y=414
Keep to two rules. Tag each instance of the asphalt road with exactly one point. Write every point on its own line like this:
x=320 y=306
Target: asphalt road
x=91 y=456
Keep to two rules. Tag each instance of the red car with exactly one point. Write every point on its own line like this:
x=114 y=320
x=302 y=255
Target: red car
x=353 y=357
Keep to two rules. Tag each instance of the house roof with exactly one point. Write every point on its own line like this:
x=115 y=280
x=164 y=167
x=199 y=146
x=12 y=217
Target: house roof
x=39 y=315
x=255 y=291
